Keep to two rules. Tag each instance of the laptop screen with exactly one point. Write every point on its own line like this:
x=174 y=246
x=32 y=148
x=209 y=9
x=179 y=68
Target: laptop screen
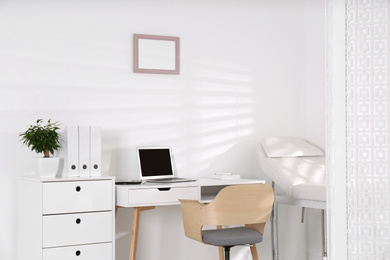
x=155 y=162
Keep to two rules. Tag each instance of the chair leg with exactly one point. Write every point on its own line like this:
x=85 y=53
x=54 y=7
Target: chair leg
x=254 y=252
x=227 y=252
x=220 y=248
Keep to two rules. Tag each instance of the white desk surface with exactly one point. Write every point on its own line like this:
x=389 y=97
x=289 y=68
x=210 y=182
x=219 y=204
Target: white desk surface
x=61 y=179
x=202 y=182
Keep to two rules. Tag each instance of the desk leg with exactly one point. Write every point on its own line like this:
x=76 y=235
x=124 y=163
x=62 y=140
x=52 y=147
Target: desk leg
x=220 y=248
x=134 y=230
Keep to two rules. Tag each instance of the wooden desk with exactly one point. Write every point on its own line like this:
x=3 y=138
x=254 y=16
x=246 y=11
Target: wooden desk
x=148 y=195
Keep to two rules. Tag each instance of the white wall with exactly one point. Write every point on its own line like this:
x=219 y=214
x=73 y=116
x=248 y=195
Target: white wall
x=242 y=76
x=313 y=106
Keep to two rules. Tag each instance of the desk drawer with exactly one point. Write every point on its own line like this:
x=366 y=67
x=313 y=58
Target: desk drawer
x=155 y=196
x=77 y=196
x=74 y=229
x=85 y=252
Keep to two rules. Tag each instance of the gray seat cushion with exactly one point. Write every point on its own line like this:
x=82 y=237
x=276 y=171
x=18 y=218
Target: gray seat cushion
x=231 y=236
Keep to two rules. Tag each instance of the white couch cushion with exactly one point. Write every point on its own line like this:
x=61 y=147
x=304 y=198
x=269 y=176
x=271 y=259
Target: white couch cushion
x=287 y=146
x=299 y=177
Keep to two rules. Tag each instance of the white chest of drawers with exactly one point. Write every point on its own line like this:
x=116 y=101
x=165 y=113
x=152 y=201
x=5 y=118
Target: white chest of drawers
x=66 y=218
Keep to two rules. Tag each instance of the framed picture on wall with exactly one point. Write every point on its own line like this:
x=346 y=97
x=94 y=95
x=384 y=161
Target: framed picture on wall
x=156 y=54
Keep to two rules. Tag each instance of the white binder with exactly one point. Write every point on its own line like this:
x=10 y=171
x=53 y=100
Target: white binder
x=84 y=144
x=71 y=153
x=95 y=135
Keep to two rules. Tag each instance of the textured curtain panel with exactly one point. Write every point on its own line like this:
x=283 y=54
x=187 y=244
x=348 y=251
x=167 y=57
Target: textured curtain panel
x=368 y=129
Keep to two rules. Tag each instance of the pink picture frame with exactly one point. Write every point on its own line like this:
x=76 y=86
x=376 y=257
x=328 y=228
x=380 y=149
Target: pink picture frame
x=156 y=54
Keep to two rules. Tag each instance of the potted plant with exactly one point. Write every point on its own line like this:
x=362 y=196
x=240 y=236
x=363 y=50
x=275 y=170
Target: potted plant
x=43 y=139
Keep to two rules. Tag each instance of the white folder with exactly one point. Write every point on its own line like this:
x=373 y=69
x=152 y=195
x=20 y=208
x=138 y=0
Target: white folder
x=84 y=151
x=71 y=155
x=95 y=135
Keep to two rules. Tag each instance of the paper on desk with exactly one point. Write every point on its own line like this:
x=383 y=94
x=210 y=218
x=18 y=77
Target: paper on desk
x=224 y=176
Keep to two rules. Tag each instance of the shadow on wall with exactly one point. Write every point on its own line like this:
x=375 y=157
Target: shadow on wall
x=202 y=116
x=245 y=162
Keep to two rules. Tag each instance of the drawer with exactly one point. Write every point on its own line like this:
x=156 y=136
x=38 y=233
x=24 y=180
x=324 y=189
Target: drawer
x=83 y=252
x=155 y=196
x=73 y=229
x=77 y=196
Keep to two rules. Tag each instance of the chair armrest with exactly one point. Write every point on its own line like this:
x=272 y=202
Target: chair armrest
x=192 y=219
x=258 y=227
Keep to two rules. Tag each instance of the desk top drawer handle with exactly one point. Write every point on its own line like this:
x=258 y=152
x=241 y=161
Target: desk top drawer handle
x=163 y=189
x=78 y=221
x=78 y=188
x=78 y=252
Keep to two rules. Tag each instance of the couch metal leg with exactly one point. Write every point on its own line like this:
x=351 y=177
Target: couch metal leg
x=324 y=235
x=274 y=230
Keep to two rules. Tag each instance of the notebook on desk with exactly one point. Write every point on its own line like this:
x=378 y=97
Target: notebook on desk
x=156 y=165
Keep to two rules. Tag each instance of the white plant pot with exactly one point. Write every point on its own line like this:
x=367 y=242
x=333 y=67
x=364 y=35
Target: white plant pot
x=46 y=167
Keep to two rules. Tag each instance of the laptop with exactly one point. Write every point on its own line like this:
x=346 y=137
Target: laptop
x=156 y=165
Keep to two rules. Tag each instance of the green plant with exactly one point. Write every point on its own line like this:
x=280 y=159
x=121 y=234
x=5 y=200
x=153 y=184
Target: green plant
x=42 y=138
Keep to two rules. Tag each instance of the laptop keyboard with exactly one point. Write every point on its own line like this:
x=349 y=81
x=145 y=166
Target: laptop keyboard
x=171 y=180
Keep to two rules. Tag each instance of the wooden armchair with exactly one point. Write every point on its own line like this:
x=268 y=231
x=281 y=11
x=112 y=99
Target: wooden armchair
x=247 y=205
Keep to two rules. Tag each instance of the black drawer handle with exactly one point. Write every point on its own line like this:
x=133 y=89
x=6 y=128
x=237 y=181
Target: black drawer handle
x=163 y=189
x=78 y=221
x=78 y=252
x=84 y=166
x=78 y=188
